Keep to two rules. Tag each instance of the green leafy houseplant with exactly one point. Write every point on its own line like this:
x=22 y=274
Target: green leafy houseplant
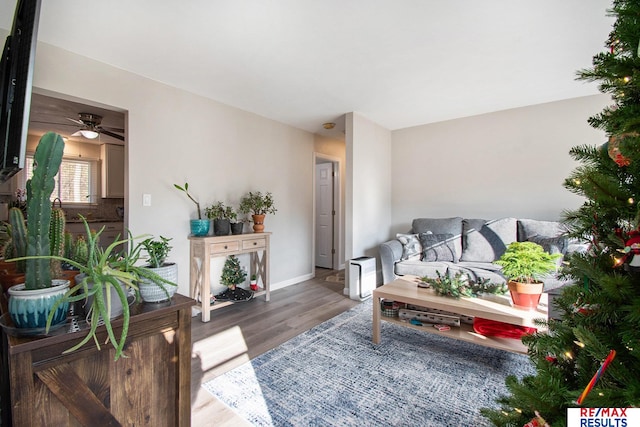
x=157 y=251
x=185 y=189
x=256 y=203
x=525 y=262
x=460 y=285
x=152 y=290
x=199 y=227
x=105 y=272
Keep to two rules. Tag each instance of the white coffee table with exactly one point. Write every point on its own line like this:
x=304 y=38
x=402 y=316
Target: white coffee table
x=406 y=290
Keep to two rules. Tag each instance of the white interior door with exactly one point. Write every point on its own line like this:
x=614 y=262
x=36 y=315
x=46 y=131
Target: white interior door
x=324 y=215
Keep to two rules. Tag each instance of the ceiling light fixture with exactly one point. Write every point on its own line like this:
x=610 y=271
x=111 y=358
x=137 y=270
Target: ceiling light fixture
x=328 y=126
x=89 y=134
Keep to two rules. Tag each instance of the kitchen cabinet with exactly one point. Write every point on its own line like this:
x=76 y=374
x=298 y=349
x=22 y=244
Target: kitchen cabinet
x=111 y=230
x=112 y=157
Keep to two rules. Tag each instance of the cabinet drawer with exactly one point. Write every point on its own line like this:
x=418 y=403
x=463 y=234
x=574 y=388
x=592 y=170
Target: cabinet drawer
x=254 y=243
x=222 y=247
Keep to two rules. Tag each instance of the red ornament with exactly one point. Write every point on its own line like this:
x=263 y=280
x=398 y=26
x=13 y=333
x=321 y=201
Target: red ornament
x=614 y=149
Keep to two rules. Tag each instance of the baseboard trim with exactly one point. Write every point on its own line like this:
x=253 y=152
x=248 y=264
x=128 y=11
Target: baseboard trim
x=290 y=282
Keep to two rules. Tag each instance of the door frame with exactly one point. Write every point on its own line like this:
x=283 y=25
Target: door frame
x=337 y=220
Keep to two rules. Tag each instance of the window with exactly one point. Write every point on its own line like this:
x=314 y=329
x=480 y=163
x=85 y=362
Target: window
x=75 y=183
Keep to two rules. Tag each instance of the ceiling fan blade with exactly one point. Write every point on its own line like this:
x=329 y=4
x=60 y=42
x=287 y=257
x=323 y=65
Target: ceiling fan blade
x=78 y=122
x=118 y=130
x=53 y=123
x=77 y=133
x=112 y=135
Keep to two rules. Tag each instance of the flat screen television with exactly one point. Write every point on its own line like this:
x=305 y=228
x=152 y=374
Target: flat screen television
x=16 y=78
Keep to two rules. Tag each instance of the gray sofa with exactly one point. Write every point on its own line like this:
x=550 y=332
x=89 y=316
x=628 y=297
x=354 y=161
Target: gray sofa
x=470 y=246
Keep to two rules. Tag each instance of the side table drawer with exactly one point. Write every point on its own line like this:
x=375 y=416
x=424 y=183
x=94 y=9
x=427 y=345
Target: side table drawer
x=260 y=242
x=222 y=247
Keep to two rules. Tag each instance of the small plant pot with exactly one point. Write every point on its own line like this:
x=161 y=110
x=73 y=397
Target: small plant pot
x=221 y=227
x=200 y=227
x=153 y=292
x=525 y=296
x=30 y=308
x=237 y=227
x=258 y=223
x=254 y=285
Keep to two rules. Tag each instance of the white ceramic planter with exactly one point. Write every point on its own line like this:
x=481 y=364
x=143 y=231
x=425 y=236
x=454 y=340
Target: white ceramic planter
x=152 y=292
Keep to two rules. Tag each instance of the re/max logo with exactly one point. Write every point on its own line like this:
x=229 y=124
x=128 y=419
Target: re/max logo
x=603 y=412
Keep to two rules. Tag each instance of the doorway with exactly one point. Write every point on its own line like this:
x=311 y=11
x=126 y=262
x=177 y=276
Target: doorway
x=326 y=211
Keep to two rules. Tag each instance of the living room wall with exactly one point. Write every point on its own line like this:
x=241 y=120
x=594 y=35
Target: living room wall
x=508 y=163
x=175 y=136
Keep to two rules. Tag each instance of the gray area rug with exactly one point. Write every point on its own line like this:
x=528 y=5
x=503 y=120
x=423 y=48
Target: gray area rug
x=333 y=375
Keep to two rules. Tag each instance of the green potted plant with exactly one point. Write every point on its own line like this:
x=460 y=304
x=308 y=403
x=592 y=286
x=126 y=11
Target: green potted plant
x=199 y=227
x=157 y=252
x=106 y=279
x=232 y=276
x=258 y=205
x=219 y=213
x=253 y=282
x=523 y=263
x=39 y=297
x=236 y=225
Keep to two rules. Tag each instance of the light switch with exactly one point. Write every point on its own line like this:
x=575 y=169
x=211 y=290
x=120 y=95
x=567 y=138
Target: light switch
x=146 y=200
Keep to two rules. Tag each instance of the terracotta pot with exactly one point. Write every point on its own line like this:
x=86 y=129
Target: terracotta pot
x=525 y=296
x=258 y=223
x=8 y=279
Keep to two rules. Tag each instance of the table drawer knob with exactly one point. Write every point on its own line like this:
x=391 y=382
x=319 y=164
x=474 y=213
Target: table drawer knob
x=255 y=243
x=225 y=246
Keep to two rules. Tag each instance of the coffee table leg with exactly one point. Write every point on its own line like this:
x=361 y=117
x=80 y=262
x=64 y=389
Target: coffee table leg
x=376 y=319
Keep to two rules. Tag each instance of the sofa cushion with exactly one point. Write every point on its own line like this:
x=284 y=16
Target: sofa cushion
x=486 y=241
x=411 y=246
x=552 y=245
x=533 y=227
x=437 y=247
x=441 y=226
x=421 y=269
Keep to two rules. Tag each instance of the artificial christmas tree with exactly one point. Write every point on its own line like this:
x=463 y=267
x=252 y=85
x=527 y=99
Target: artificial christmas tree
x=591 y=356
x=233 y=275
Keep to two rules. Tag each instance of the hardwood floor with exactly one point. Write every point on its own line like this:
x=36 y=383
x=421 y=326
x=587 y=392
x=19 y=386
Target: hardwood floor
x=242 y=331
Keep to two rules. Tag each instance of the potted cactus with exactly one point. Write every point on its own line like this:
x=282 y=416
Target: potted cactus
x=31 y=303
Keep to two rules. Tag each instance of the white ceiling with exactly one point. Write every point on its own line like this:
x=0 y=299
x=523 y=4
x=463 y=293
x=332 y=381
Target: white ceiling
x=400 y=63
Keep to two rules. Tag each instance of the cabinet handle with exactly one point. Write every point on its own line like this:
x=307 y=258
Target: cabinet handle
x=255 y=243
x=225 y=246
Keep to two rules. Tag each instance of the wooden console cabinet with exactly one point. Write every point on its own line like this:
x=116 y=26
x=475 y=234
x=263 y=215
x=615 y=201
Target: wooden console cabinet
x=203 y=249
x=152 y=386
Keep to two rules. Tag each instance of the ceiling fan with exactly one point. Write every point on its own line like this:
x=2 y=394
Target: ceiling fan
x=91 y=129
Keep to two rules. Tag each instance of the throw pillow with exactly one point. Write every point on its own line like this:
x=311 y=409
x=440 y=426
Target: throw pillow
x=411 y=247
x=486 y=241
x=438 y=247
x=534 y=227
x=441 y=226
x=553 y=245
